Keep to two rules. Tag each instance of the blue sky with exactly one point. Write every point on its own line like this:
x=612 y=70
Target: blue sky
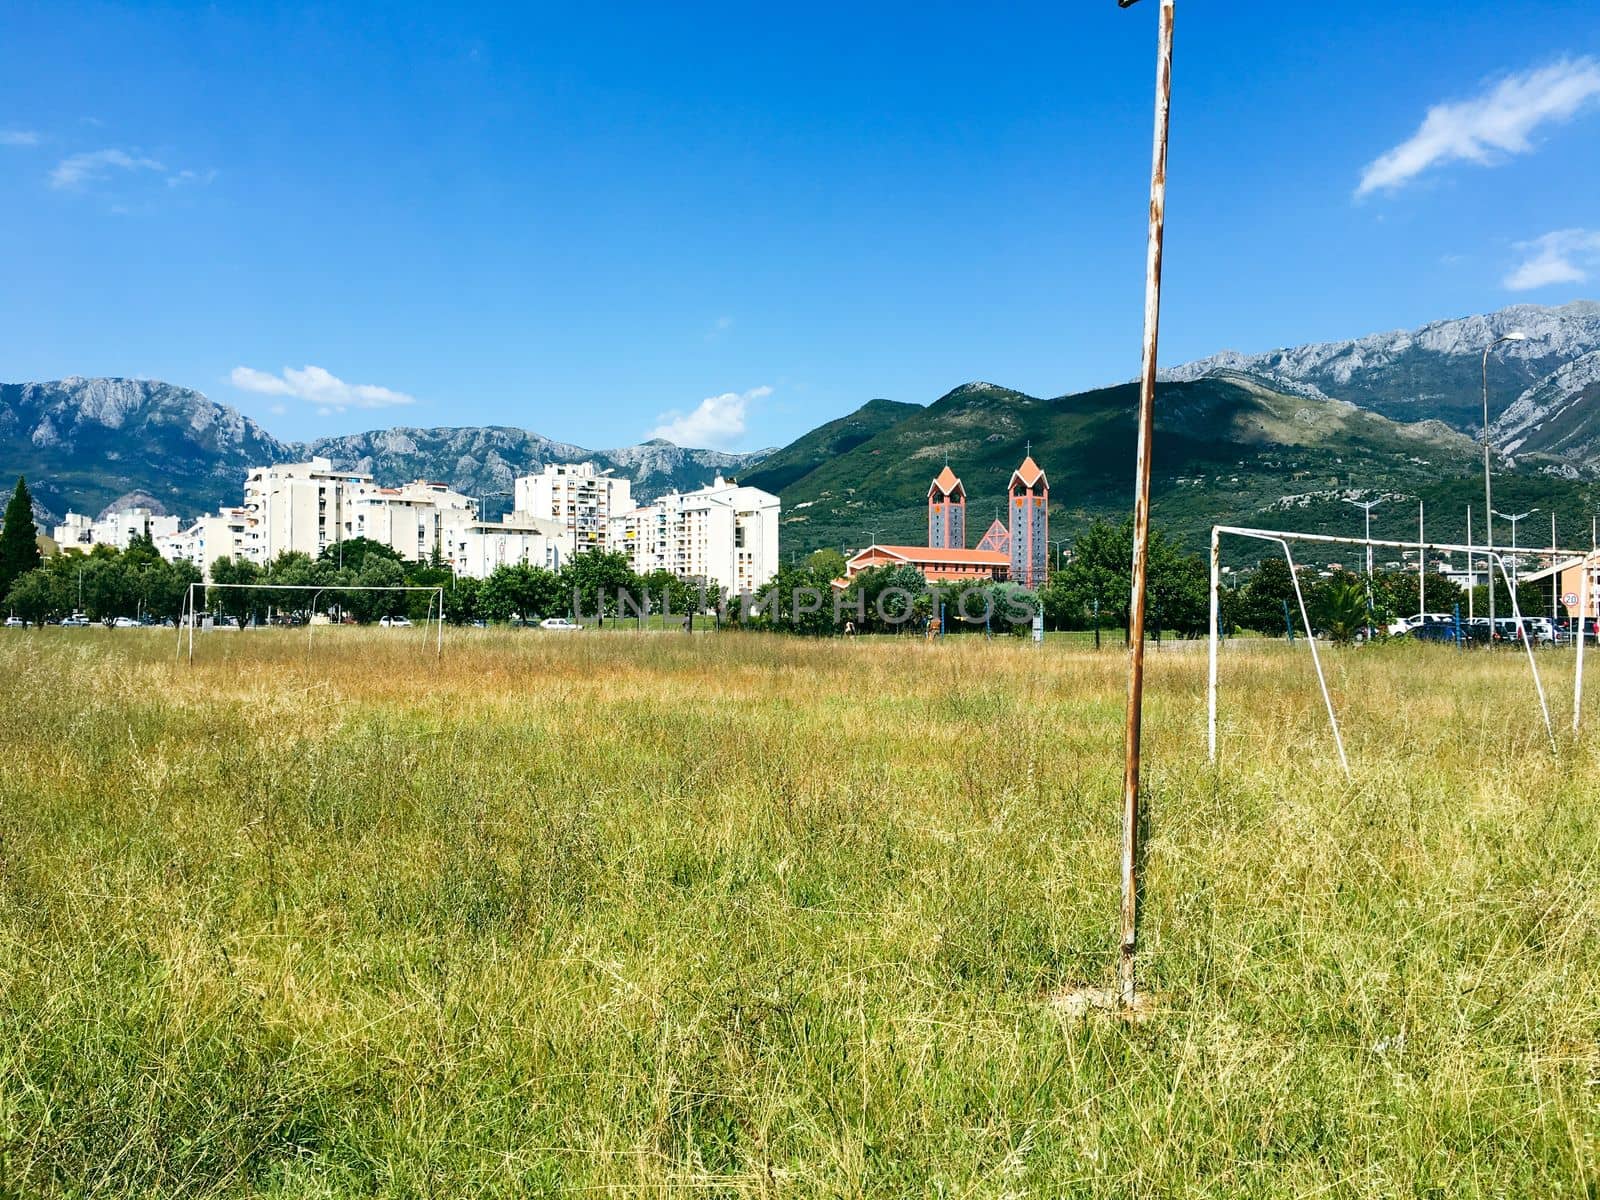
x=731 y=223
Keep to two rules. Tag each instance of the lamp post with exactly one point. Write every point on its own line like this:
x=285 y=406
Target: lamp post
x=1141 y=504
x=1057 y=543
x=1516 y=335
x=1368 y=506
x=1555 y=575
x=1422 y=563
x=1513 y=520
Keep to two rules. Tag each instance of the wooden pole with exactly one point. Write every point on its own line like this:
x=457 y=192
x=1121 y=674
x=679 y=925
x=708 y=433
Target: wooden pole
x=1141 y=511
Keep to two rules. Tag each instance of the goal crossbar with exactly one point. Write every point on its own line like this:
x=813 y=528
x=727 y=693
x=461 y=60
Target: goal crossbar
x=190 y=616
x=1282 y=538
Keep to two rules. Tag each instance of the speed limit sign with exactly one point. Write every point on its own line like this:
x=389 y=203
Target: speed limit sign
x=1570 y=599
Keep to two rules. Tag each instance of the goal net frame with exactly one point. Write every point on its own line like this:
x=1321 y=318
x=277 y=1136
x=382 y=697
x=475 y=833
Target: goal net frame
x=1282 y=538
x=189 y=615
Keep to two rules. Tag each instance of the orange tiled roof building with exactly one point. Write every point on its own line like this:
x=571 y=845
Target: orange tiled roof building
x=1016 y=551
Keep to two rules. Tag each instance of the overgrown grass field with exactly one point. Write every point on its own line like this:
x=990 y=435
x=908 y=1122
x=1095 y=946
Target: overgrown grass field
x=738 y=915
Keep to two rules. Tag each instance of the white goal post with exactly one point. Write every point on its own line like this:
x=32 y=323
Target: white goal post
x=1282 y=538
x=189 y=615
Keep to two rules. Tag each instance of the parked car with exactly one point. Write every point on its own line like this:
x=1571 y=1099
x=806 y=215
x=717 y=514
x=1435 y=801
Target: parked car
x=1436 y=631
x=15 y=623
x=1540 y=631
x=1406 y=624
x=559 y=625
x=75 y=621
x=395 y=623
x=124 y=623
x=1566 y=625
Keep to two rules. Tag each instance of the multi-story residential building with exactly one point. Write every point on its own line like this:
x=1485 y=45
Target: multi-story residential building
x=230 y=533
x=118 y=529
x=303 y=506
x=414 y=519
x=579 y=498
x=724 y=534
x=477 y=548
x=75 y=532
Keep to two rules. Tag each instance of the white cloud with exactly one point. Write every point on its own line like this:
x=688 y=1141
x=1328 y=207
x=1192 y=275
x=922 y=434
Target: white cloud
x=179 y=178
x=318 y=386
x=717 y=421
x=1498 y=122
x=1565 y=256
x=78 y=169
x=18 y=137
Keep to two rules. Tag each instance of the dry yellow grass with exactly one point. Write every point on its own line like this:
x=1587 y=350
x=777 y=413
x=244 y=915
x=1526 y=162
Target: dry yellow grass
x=738 y=914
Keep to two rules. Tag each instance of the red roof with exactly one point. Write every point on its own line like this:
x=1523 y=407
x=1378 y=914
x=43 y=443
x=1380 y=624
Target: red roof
x=1029 y=472
x=926 y=554
x=998 y=538
x=946 y=481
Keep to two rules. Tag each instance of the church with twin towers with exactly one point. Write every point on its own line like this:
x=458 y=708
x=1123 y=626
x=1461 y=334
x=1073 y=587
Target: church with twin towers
x=1024 y=538
x=1015 y=549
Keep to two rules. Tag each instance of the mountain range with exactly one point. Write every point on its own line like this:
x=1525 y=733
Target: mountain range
x=1536 y=386
x=1286 y=435
x=85 y=444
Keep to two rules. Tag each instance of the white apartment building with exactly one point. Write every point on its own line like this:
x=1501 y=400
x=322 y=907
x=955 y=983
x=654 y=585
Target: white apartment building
x=412 y=519
x=579 y=498
x=302 y=506
x=724 y=533
x=79 y=532
x=478 y=547
x=230 y=533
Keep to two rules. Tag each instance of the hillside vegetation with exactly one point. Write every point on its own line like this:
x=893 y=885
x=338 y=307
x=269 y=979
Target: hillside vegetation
x=1227 y=448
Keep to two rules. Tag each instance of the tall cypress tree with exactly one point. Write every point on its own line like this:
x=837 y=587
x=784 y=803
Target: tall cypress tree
x=19 y=538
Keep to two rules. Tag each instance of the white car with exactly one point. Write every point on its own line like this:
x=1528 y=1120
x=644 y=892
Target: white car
x=124 y=623
x=395 y=623
x=559 y=625
x=15 y=623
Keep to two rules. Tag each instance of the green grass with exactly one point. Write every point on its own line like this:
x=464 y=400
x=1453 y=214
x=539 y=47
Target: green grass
x=743 y=915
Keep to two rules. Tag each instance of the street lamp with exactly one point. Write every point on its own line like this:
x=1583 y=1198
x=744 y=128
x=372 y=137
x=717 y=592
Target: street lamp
x=1058 y=543
x=1367 y=506
x=1513 y=520
x=1516 y=335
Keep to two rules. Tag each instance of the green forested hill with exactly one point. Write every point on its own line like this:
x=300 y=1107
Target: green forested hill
x=825 y=443
x=1227 y=449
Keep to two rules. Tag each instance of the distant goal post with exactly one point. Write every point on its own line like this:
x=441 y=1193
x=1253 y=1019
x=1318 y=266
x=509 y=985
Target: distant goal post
x=1282 y=538
x=189 y=616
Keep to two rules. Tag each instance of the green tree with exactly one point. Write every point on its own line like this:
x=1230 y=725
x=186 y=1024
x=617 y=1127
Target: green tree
x=352 y=554
x=522 y=591
x=1100 y=576
x=377 y=571
x=828 y=562
x=1339 y=606
x=463 y=601
x=592 y=580
x=1261 y=599
x=888 y=599
x=242 y=603
x=36 y=596
x=19 y=538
